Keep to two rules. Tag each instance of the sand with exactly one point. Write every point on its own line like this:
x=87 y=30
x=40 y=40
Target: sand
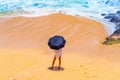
x=25 y=54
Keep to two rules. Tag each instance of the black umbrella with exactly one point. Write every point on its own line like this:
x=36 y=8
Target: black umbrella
x=56 y=42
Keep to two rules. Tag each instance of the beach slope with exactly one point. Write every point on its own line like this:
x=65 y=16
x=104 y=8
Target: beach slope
x=25 y=55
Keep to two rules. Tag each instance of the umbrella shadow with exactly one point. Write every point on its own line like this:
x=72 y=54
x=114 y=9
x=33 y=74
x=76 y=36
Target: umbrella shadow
x=56 y=69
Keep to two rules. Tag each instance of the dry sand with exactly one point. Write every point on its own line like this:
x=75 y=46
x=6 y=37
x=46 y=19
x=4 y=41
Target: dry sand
x=25 y=55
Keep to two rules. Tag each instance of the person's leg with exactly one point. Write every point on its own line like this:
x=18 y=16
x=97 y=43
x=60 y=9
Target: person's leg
x=53 y=62
x=59 y=62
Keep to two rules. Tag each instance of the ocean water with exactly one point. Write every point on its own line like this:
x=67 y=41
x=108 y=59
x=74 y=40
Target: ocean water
x=44 y=7
x=31 y=8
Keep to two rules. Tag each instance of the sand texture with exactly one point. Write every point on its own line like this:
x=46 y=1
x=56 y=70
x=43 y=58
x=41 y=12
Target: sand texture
x=25 y=55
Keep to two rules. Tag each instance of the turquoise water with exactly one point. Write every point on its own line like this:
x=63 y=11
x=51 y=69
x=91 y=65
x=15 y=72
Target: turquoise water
x=44 y=7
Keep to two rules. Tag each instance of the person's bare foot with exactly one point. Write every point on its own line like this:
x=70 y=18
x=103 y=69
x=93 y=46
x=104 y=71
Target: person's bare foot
x=59 y=68
x=51 y=67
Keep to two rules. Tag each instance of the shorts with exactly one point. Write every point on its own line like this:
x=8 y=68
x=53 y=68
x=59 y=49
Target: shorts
x=58 y=54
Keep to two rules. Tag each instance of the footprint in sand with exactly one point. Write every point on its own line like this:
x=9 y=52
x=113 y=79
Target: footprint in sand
x=81 y=65
x=94 y=76
x=86 y=73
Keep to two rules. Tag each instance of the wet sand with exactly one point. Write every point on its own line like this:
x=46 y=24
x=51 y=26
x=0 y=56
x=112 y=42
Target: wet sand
x=25 y=54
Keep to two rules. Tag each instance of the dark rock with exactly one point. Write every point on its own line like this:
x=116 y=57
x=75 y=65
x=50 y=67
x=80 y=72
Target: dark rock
x=111 y=40
x=109 y=16
x=115 y=18
x=103 y=14
x=117 y=32
x=118 y=12
x=117 y=25
x=115 y=37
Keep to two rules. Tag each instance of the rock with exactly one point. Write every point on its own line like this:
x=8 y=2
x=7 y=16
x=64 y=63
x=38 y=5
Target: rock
x=103 y=14
x=109 y=16
x=113 y=39
x=118 y=12
x=115 y=18
x=117 y=32
x=117 y=25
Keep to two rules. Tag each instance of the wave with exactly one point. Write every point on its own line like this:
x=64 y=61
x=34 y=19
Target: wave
x=45 y=7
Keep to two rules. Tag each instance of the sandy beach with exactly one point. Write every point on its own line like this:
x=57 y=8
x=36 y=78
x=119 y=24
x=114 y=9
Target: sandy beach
x=25 y=54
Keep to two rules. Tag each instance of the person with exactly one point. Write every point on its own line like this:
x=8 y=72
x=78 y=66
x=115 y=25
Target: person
x=56 y=43
x=58 y=54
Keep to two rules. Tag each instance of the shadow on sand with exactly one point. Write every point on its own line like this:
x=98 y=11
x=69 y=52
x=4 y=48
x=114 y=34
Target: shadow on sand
x=56 y=69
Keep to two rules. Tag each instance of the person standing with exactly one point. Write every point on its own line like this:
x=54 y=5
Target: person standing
x=57 y=43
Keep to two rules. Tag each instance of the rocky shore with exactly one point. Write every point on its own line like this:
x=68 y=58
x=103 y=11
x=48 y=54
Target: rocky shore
x=115 y=37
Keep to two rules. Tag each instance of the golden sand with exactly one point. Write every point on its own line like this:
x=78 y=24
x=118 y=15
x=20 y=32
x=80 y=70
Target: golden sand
x=25 y=54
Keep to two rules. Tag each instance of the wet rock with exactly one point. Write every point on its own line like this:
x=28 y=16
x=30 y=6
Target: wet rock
x=115 y=18
x=103 y=14
x=117 y=32
x=109 y=16
x=113 y=39
x=118 y=12
x=117 y=26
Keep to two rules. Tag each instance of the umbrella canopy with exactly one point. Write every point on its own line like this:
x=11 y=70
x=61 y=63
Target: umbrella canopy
x=56 y=42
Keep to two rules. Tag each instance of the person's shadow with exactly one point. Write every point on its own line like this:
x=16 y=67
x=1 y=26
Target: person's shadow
x=55 y=68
